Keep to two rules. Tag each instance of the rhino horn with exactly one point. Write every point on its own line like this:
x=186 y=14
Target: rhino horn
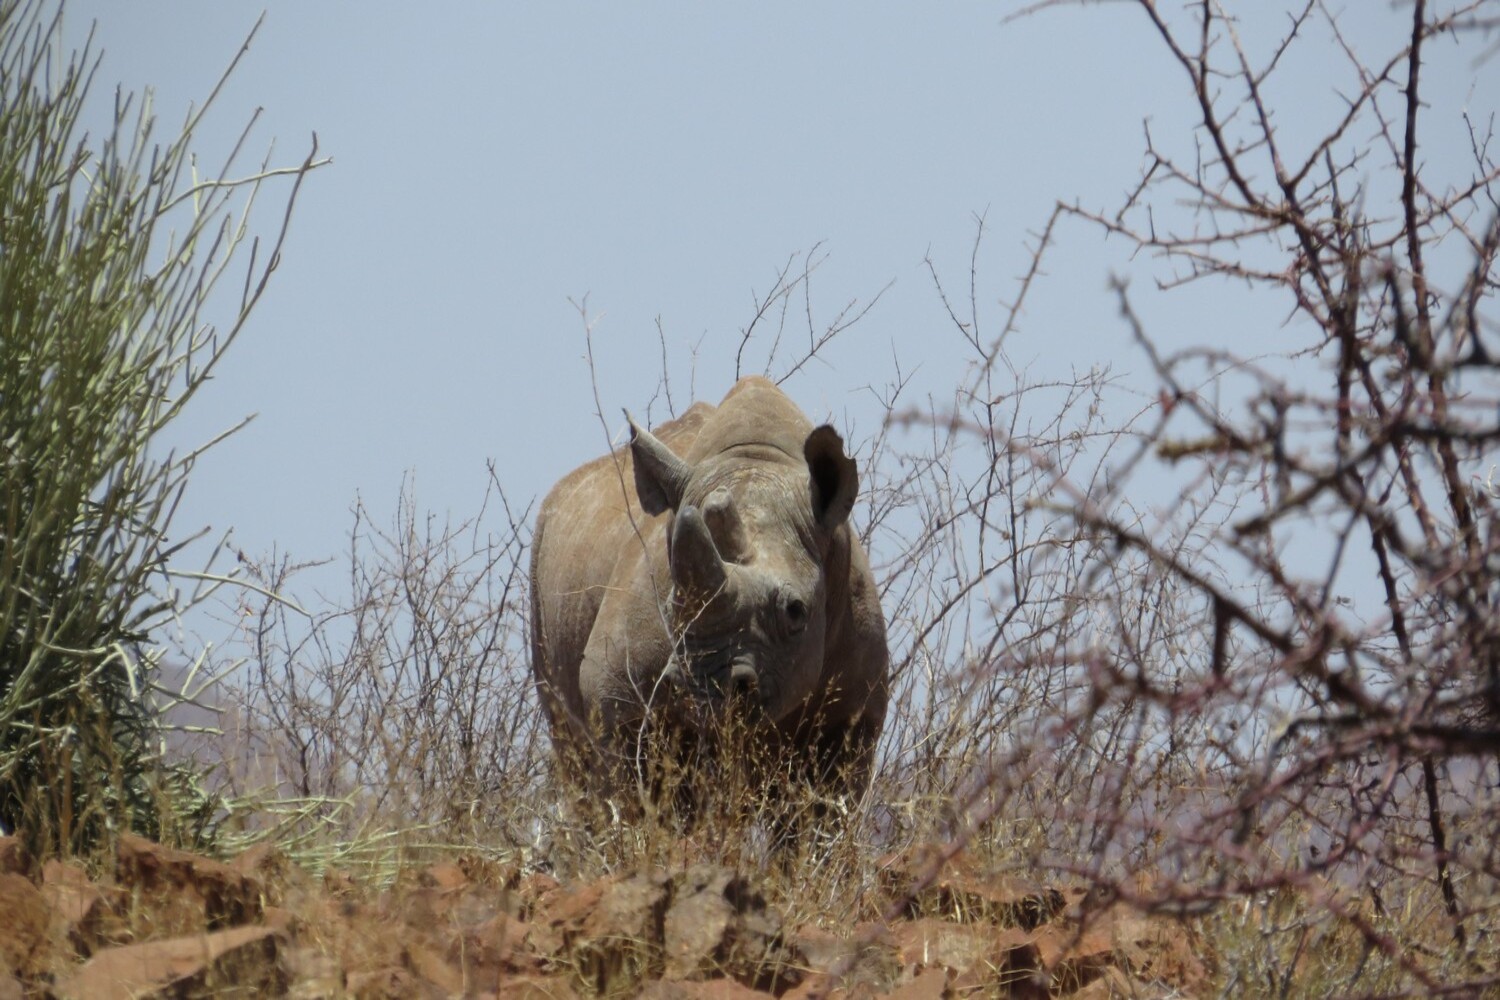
x=660 y=476
x=725 y=526
x=697 y=568
x=835 y=478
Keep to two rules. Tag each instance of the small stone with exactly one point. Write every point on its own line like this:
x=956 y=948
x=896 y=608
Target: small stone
x=245 y=958
x=24 y=929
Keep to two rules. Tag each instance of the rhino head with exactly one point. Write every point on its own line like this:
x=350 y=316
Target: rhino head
x=750 y=533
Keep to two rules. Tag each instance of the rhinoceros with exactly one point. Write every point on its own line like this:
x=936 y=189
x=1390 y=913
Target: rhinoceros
x=710 y=571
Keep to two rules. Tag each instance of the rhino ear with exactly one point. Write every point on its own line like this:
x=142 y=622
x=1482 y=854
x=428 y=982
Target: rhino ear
x=835 y=478
x=660 y=476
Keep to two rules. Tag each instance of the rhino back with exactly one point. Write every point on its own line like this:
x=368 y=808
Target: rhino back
x=754 y=412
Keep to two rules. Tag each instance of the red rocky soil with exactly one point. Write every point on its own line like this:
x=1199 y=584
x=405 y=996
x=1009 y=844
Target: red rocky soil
x=170 y=924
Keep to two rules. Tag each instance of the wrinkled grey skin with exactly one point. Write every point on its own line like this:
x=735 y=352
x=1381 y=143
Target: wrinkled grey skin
x=711 y=569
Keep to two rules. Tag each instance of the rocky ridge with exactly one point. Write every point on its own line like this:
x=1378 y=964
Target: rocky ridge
x=166 y=923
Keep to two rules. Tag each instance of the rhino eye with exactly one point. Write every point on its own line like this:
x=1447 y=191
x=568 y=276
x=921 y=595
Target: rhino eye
x=796 y=614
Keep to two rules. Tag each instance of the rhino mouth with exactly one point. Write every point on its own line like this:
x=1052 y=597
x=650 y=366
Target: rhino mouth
x=718 y=684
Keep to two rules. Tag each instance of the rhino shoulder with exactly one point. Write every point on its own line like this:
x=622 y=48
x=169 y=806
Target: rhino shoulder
x=601 y=475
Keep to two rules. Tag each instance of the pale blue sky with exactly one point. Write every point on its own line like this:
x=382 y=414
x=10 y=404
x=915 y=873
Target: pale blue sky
x=493 y=160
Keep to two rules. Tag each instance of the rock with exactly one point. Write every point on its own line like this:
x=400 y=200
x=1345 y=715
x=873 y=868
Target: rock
x=457 y=930
x=712 y=989
x=621 y=939
x=391 y=982
x=536 y=988
x=1115 y=983
x=960 y=890
x=439 y=933
x=980 y=956
x=1157 y=949
x=445 y=897
x=13 y=857
x=447 y=876
x=313 y=974
x=283 y=921
x=534 y=887
x=701 y=924
x=718 y=924
x=359 y=941
x=248 y=959
x=24 y=929
x=424 y=959
x=558 y=916
x=491 y=872
x=867 y=963
x=1073 y=959
x=340 y=884
x=270 y=871
x=493 y=951
x=929 y=984
x=929 y=943
x=185 y=891
x=81 y=913
x=1120 y=945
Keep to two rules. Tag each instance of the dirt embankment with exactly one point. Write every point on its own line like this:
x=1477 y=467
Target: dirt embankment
x=165 y=923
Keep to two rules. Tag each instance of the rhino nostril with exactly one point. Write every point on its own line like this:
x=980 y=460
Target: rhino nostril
x=742 y=680
x=796 y=614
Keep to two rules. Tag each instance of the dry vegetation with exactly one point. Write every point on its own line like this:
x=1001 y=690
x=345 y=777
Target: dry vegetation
x=1231 y=660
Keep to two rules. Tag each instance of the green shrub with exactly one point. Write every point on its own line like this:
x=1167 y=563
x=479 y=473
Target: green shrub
x=99 y=350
